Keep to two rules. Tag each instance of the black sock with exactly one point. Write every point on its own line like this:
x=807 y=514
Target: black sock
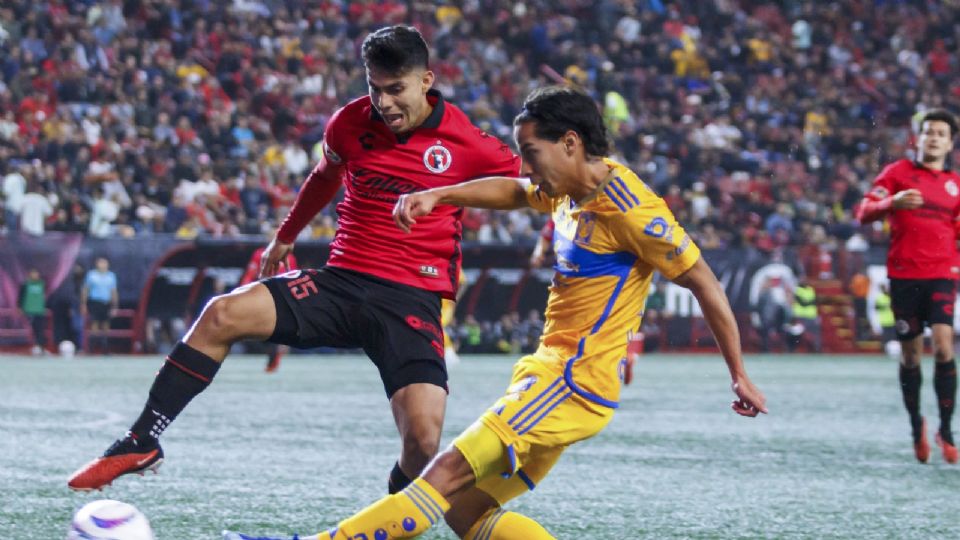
x=910 y=379
x=398 y=480
x=186 y=373
x=945 y=384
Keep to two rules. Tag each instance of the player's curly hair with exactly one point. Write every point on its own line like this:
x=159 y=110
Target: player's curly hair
x=559 y=109
x=395 y=50
x=941 y=115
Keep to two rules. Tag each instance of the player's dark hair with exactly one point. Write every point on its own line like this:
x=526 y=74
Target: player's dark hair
x=559 y=109
x=941 y=115
x=395 y=50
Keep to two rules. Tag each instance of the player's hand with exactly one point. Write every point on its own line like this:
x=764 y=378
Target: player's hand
x=750 y=401
x=908 y=199
x=275 y=253
x=411 y=206
x=536 y=259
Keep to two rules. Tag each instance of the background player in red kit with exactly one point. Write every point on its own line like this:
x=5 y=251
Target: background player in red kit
x=274 y=351
x=922 y=200
x=380 y=289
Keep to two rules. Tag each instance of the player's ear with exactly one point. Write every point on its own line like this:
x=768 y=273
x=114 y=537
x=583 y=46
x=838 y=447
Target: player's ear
x=571 y=140
x=427 y=80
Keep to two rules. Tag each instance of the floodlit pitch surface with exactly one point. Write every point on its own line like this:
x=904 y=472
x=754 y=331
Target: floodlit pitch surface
x=299 y=449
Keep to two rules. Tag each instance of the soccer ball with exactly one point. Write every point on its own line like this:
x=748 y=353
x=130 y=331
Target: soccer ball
x=67 y=348
x=893 y=349
x=109 y=520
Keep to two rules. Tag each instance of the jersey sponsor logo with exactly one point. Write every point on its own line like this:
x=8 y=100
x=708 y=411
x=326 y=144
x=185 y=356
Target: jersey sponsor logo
x=684 y=244
x=951 y=188
x=331 y=155
x=585 y=226
x=429 y=271
x=437 y=158
x=385 y=187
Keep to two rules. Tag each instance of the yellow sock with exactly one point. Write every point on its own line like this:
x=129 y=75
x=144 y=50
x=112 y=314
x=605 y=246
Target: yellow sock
x=498 y=524
x=401 y=515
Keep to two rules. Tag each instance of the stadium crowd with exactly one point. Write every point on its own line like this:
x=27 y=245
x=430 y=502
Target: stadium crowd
x=761 y=123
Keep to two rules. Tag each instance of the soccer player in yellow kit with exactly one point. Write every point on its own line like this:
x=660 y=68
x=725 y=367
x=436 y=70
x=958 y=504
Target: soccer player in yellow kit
x=611 y=234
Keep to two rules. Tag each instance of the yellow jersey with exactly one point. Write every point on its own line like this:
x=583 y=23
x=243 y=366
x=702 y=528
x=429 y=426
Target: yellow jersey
x=607 y=248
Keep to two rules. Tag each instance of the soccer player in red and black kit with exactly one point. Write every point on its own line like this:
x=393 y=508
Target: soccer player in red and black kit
x=922 y=200
x=380 y=289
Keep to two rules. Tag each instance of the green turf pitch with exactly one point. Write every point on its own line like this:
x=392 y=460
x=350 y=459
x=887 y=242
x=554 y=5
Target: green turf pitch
x=297 y=450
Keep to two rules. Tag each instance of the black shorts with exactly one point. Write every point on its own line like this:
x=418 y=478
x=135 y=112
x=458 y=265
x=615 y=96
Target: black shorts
x=98 y=311
x=397 y=325
x=917 y=302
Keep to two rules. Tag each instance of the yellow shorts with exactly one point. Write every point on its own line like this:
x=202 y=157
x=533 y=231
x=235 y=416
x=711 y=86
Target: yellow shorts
x=513 y=446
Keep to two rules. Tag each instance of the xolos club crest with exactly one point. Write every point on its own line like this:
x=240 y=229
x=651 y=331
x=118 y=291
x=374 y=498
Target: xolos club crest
x=437 y=158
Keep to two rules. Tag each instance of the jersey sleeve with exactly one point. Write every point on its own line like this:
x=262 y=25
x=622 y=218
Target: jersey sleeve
x=652 y=233
x=538 y=200
x=334 y=148
x=496 y=156
x=877 y=202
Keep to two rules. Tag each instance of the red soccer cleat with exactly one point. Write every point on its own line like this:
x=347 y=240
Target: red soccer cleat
x=273 y=362
x=950 y=453
x=125 y=456
x=921 y=447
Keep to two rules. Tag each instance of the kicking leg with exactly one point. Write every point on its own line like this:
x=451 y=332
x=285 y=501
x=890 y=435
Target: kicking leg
x=247 y=312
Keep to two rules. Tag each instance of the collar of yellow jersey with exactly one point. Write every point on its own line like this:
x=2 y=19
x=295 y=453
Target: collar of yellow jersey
x=593 y=194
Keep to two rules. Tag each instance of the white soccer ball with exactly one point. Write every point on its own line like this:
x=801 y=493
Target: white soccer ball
x=109 y=520
x=893 y=349
x=67 y=348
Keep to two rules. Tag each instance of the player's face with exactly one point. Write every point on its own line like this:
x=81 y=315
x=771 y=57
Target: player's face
x=934 y=142
x=545 y=162
x=401 y=100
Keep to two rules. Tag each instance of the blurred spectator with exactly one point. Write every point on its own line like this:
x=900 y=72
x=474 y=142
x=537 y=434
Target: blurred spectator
x=805 y=326
x=14 y=188
x=737 y=111
x=772 y=313
x=33 y=303
x=651 y=329
x=35 y=208
x=99 y=299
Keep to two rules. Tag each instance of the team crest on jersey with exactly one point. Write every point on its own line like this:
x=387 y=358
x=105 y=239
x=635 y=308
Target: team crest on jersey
x=437 y=158
x=585 y=226
x=951 y=188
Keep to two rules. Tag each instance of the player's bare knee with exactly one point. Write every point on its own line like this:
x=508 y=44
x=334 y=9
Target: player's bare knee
x=420 y=447
x=943 y=354
x=218 y=320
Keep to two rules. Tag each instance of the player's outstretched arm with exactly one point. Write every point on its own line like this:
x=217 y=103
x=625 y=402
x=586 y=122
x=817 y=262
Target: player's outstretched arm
x=317 y=191
x=497 y=192
x=716 y=310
